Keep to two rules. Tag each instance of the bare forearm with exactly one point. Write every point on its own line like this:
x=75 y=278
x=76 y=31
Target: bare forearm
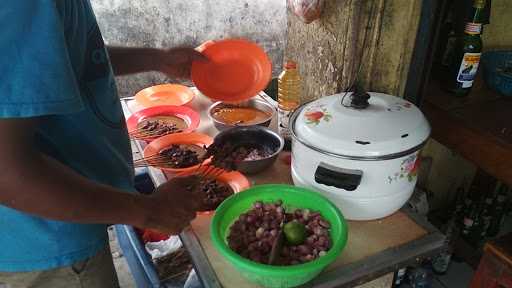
x=134 y=60
x=46 y=188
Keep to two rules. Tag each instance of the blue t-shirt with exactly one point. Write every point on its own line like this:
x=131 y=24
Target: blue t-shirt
x=53 y=63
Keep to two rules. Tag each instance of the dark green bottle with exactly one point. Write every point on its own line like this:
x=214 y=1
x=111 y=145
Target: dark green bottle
x=498 y=211
x=467 y=52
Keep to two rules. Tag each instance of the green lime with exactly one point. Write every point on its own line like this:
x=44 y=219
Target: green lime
x=294 y=232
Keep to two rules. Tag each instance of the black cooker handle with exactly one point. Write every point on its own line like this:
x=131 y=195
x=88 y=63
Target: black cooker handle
x=346 y=179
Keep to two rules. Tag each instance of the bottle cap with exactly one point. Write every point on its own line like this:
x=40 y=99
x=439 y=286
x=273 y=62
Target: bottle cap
x=479 y=4
x=290 y=65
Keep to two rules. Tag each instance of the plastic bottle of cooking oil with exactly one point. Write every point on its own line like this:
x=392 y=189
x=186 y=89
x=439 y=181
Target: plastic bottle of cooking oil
x=288 y=97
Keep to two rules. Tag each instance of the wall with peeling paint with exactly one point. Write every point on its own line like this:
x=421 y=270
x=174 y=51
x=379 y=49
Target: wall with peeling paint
x=376 y=35
x=170 y=23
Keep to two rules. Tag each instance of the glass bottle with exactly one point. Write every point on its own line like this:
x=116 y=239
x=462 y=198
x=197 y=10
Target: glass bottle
x=441 y=262
x=498 y=211
x=399 y=277
x=466 y=55
x=489 y=208
x=471 y=221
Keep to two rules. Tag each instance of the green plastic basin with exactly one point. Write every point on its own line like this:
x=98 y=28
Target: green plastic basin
x=292 y=197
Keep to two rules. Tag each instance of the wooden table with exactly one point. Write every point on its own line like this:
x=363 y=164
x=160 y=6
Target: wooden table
x=374 y=248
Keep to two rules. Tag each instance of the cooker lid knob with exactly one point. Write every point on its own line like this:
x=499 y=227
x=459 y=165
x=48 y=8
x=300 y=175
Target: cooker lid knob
x=359 y=98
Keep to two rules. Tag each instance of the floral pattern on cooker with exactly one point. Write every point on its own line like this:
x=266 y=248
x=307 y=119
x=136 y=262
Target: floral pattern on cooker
x=389 y=133
x=314 y=115
x=399 y=106
x=408 y=168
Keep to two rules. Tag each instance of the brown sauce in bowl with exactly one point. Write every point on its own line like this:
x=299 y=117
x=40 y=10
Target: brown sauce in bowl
x=240 y=115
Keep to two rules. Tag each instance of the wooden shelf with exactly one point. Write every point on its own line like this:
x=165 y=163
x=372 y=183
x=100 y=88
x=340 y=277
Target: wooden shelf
x=479 y=127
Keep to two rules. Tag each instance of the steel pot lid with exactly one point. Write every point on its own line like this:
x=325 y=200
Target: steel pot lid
x=388 y=127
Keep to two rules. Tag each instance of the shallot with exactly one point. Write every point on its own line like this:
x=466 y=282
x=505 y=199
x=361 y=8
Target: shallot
x=253 y=234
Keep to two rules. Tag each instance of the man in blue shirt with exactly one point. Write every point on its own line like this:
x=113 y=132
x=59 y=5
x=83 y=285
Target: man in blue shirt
x=64 y=150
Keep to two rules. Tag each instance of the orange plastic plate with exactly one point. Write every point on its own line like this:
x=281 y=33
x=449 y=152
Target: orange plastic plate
x=165 y=94
x=237 y=70
x=234 y=179
x=179 y=138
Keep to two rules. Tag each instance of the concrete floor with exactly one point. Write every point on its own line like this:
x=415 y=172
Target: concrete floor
x=459 y=275
x=123 y=271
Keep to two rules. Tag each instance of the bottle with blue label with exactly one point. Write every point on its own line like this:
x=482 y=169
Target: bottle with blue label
x=466 y=57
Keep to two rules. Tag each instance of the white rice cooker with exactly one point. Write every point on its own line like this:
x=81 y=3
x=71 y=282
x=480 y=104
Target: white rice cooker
x=360 y=150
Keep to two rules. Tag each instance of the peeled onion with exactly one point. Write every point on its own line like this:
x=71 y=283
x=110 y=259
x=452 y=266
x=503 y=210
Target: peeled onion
x=253 y=234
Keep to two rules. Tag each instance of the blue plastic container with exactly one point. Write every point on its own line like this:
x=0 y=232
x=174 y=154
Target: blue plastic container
x=497 y=69
x=139 y=261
